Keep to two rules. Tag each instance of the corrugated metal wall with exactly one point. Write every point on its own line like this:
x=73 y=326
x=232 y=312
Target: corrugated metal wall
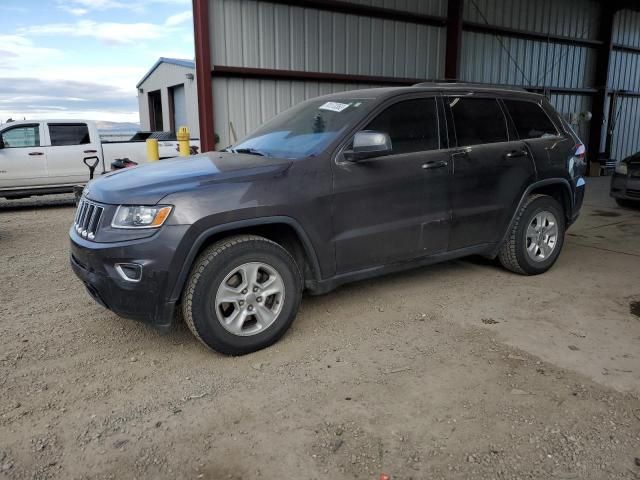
x=260 y=34
x=250 y=33
x=495 y=59
x=624 y=74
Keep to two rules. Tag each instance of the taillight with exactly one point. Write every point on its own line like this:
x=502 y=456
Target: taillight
x=581 y=151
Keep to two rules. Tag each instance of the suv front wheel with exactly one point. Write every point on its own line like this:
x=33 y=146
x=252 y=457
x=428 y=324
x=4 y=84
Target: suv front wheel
x=536 y=237
x=242 y=295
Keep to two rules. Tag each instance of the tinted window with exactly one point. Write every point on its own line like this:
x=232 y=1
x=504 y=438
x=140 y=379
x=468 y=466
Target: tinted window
x=69 y=134
x=24 y=136
x=478 y=120
x=412 y=125
x=529 y=119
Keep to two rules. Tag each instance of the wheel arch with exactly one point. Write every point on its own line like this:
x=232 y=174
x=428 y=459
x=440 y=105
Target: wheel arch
x=558 y=188
x=285 y=231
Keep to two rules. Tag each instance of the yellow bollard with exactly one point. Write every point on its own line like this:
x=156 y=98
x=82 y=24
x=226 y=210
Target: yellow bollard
x=183 y=141
x=153 y=153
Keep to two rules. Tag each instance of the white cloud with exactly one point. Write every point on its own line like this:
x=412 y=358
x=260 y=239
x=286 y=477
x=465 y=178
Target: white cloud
x=17 y=51
x=179 y=18
x=109 y=32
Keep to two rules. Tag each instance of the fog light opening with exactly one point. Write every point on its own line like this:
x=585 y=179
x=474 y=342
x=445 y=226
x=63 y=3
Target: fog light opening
x=131 y=272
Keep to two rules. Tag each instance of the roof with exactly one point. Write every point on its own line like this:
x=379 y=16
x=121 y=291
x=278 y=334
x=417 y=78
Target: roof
x=452 y=87
x=172 y=61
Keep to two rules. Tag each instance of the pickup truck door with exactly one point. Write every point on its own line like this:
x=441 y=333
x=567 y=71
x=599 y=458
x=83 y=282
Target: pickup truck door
x=68 y=144
x=23 y=161
x=396 y=207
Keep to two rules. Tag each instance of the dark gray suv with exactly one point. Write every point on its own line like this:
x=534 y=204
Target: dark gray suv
x=336 y=189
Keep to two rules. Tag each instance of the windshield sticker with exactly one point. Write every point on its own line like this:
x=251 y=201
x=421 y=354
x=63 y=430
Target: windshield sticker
x=334 y=106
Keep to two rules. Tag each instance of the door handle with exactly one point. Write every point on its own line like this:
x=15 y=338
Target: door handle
x=516 y=154
x=434 y=164
x=462 y=151
x=36 y=153
x=90 y=151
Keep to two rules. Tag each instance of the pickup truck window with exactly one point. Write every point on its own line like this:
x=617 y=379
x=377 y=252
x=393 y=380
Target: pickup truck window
x=21 y=136
x=412 y=125
x=63 y=134
x=305 y=129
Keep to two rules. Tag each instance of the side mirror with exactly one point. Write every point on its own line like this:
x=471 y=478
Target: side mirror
x=369 y=144
x=1 y=142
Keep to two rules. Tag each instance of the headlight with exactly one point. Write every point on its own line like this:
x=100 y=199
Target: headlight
x=129 y=216
x=621 y=167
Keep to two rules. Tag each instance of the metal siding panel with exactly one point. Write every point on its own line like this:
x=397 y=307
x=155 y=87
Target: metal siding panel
x=294 y=38
x=626 y=28
x=627 y=135
x=576 y=18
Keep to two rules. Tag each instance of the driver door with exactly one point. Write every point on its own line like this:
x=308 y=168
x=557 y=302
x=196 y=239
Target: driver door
x=395 y=207
x=23 y=162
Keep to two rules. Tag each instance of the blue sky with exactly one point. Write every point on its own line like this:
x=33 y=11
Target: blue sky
x=83 y=58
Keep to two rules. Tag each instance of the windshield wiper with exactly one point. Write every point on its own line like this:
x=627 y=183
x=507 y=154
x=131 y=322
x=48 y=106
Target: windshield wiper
x=249 y=151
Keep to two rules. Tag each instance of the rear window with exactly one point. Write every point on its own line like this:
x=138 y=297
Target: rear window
x=530 y=119
x=478 y=121
x=69 y=134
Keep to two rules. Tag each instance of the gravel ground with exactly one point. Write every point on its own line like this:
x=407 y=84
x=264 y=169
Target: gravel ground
x=456 y=371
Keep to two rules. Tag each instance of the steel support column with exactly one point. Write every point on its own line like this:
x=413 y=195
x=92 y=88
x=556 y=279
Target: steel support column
x=454 y=40
x=204 y=75
x=601 y=78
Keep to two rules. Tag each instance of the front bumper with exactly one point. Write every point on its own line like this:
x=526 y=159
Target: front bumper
x=625 y=187
x=147 y=300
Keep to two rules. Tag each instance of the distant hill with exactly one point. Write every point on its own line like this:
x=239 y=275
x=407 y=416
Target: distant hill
x=116 y=127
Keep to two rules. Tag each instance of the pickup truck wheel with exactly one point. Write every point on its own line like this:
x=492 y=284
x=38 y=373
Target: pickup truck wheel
x=536 y=237
x=242 y=295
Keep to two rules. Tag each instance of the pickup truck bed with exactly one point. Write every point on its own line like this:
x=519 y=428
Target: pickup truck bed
x=46 y=156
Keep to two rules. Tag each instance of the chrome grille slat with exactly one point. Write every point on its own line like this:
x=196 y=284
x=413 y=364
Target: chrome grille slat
x=87 y=220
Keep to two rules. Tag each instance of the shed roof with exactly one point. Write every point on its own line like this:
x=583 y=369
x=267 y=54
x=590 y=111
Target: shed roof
x=173 y=61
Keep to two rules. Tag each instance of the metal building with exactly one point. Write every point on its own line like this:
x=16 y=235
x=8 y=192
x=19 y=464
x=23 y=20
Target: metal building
x=167 y=97
x=255 y=58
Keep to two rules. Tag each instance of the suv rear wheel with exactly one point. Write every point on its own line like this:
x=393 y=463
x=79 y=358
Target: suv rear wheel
x=242 y=295
x=536 y=238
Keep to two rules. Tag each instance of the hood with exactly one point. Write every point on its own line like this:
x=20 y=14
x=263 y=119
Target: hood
x=147 y=184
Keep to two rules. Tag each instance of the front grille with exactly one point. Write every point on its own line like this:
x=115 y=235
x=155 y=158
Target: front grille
x=633 y=193
x=87 y=219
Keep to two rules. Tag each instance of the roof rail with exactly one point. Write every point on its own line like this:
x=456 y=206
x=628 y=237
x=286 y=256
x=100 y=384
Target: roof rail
x=454 y=83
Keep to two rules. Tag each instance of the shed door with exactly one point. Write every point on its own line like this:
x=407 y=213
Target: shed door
x=179 y=107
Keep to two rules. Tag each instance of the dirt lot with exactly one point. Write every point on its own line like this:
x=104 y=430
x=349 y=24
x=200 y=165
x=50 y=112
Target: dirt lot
x=460 y=370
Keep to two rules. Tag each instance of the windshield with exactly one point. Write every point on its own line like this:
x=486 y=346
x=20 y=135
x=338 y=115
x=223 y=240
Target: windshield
x=304 y=130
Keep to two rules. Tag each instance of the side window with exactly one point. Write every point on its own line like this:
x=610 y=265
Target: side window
x=529 y=119
x=23 y=136
x=411 y=124
x=69 y=134
x=478 y=121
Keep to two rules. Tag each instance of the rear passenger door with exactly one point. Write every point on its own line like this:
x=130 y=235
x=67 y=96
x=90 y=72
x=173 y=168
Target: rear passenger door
x=491 y=170
x=69 y=144
x=535 y=128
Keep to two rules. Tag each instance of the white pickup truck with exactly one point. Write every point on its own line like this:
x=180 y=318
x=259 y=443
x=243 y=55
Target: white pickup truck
x=46 y=156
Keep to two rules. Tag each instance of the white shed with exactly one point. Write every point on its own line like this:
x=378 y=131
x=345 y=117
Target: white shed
x=167 y=97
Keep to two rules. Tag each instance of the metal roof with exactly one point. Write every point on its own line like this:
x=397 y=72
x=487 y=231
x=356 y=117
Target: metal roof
x=173 y=61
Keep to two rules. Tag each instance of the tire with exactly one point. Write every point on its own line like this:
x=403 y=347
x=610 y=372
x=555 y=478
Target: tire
x=521 y=255
x=624 y=203
x=225 y=270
